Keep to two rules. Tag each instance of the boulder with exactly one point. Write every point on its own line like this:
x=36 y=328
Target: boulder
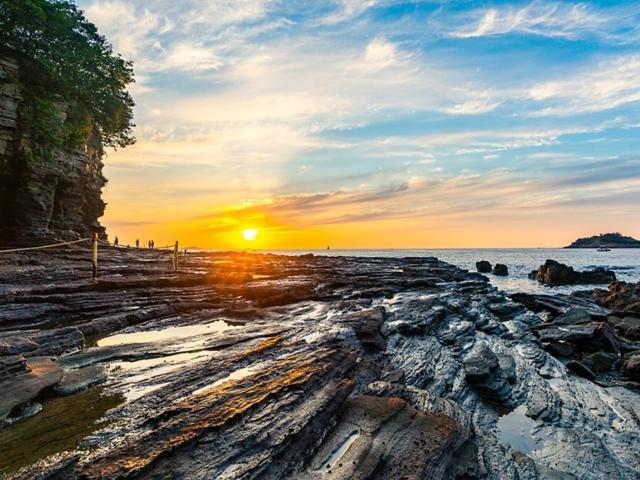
x=500 y=270
x=553 y=273
x=483 y=266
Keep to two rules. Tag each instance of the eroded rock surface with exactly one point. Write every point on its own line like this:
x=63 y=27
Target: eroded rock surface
x=265 y=366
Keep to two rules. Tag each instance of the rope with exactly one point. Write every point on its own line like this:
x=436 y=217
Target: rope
x=44 y=246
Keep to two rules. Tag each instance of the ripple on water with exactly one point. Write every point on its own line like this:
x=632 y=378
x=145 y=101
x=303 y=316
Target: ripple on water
x=515 y=428
x=170 y=333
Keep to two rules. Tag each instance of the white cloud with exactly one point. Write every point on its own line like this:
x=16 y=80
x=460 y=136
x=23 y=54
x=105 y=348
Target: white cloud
x=608 y=84
x=190 y=57
x=552 y=19
x=348 y=9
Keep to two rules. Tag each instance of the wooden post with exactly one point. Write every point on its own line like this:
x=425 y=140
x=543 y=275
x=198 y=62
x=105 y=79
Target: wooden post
x=176 y=253
x=94 y=245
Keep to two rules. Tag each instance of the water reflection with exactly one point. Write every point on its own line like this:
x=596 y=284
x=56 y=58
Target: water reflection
x=59 y=427
x=515 y=429
x=170 y=333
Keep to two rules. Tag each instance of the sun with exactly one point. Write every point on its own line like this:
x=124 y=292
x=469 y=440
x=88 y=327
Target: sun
x=250 y=234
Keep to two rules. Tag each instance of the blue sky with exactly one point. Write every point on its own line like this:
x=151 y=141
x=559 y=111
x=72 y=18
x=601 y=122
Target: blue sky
x=372 y=123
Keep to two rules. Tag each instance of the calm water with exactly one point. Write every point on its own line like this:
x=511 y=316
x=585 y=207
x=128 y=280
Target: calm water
x=624 y=262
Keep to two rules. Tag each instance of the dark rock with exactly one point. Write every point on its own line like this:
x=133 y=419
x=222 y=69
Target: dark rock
x=500 y=270
x=574 y=316
x=483 y=266
x=589 y=337
x=629 y=327
x=600 y=362
x=484 y=372
x=622 y=297
x=581 y=370
x=631 y=365
x=553 y=273
x=560 y=304
x=559 y=349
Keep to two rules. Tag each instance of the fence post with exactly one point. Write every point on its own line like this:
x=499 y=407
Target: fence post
x=94 y=241
x=175 y=257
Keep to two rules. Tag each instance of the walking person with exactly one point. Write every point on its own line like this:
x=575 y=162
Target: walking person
x=137 y=243
x=115 y=242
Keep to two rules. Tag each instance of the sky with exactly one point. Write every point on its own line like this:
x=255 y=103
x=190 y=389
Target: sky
x=376 y=123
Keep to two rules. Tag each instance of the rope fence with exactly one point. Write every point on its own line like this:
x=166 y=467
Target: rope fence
x=175 y=253
x=42 y=247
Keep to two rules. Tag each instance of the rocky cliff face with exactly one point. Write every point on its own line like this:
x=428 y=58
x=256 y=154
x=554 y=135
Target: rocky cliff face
x=43 y=201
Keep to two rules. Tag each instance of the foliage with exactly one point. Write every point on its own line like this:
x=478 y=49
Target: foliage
x=66 y=65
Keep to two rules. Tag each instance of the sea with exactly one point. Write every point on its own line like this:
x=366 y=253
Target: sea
x=625 y=262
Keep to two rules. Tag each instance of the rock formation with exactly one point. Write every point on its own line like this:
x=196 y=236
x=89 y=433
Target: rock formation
x=483 y=266
x=553 y=274
x=44 y=200
x=267 y=366
x=501 y=270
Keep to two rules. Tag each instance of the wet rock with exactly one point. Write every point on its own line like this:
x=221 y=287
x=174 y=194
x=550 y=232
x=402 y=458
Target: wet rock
x=590 y=337
x=560 y=304
x=500 y=270
x=367 y=325
x=581 y=370
x=483 y=266
x=387 y=438
x=622 y=297
x=553 y=273
x=336 y=360
x=628 y=327
x=74 y=381
x=574 y=316
x=43 y=372
x=483 y=371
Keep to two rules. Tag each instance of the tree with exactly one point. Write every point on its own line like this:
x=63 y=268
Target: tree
x=63 y=60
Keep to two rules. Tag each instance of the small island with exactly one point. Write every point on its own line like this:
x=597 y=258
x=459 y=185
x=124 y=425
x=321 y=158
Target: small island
x=608 y=240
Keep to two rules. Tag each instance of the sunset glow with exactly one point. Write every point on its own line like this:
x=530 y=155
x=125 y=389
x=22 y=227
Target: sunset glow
x=371 y=124
x=250 y=234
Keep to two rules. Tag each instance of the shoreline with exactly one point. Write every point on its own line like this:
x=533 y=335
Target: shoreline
x=411 y=344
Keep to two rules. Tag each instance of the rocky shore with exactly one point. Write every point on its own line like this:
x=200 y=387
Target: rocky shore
x=263 y=366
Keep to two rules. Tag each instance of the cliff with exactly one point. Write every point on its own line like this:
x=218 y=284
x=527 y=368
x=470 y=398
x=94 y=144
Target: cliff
x=610 y=240
x=44 y=200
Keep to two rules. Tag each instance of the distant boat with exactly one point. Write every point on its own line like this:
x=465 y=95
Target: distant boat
x=603 y=249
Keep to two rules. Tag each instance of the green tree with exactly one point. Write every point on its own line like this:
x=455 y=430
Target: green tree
x=64 y=60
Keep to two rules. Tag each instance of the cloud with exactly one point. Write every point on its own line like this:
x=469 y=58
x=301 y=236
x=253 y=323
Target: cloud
x=347 y=10
x=190 y=57
x=551 y=19
x=608 y=84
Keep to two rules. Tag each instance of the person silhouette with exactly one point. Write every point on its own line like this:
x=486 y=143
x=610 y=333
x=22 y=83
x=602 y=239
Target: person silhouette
x=137 y=243
x=115 y=242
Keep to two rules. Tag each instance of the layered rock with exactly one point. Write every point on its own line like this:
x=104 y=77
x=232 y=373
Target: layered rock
x=265 y=366
x=44 y=200
x=553 y=273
